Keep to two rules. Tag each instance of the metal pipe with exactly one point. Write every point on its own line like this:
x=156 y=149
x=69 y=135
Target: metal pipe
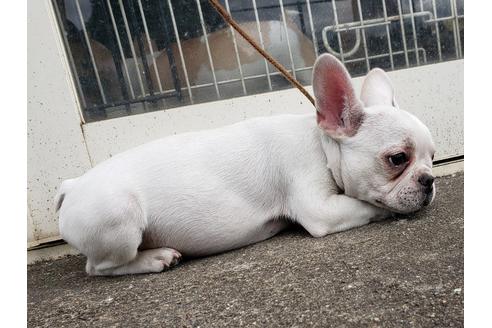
x=438 y=35
x=357 y=26
x=375 y=22
x=113 y=48
x=239 y=66
x=178 y=41
x=166 y=38
x=120 y=48
x=388 y=35
x=342 y=57
x=258 y=25
x=147 y=36
x=443 y=19
x=287 y=37
x=250 y=77
x=403 y=35
x=456 y=24
x=88 y=42
x=311 y=24
x=211 y=62
x=424 y=55
x=414 y=32
x=132 y=49
x=169 y=92
x=364 y=43
x=136 y=27
x=454 y=30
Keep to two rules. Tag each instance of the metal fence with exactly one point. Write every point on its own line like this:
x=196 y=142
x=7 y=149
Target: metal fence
x=133 y=56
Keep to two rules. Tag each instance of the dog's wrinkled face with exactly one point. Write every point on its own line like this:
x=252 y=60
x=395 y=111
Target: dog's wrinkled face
x=385 y=153
x=394 y=169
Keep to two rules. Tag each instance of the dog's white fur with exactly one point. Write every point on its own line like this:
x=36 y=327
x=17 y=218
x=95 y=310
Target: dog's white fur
x=207 y=192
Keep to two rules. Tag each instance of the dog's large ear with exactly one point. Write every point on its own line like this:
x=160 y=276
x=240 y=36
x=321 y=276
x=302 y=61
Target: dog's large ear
x=377 y=89
x=339 y=111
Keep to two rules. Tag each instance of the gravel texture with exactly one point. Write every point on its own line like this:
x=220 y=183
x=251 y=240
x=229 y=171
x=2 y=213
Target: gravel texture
x=399 y=273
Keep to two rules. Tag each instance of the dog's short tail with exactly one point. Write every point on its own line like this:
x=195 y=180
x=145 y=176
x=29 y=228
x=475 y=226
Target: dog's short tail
x=62 y=191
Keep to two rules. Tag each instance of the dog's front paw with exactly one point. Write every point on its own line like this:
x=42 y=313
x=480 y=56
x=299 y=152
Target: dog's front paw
x=161 y=259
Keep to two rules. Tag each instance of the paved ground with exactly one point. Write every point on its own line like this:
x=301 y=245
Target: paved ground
x=400 y=273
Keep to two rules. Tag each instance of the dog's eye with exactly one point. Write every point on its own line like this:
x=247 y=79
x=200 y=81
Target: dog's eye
x=398 y=159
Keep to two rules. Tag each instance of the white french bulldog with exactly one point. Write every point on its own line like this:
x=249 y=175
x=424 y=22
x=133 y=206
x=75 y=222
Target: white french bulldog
x=354 y=161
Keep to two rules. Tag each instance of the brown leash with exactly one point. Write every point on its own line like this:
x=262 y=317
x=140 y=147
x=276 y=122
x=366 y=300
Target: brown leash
x=228 y=18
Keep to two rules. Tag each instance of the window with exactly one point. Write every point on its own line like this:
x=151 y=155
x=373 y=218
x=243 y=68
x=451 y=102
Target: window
x=134 y=56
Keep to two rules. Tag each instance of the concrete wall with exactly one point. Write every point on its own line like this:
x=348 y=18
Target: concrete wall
x=55 y=144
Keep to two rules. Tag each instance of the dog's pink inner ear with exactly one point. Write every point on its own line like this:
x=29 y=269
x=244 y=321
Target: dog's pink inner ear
x=339 y=112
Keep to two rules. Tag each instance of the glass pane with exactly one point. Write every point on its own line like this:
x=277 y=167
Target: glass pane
x=135 y=56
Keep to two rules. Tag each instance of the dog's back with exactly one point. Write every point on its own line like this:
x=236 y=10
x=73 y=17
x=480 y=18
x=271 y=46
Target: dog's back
x=201 y=192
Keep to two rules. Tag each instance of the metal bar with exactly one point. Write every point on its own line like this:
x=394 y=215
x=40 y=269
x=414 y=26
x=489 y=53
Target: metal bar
x=443 y=19
x=349 y=27
x=454 y=30
x=301 y=16
x=375 y=22
x=457 y=24
x=338 y=33
x=169 y=52
x=388 y=35
x=347 y=54
x=251 y=77
x=178 y=41
x=170 y=92
x=414 y=32
x=364 y=43
x=239 y=66
x=245 y=9
x=403 y=35
x=357 y=26
x=113 y=47
x=132 y=49
x=311 y=24
x=88 y=42
x=120 y=48
x=155 y=97
x=262 y=44
x=436 y=26
x=211 y=62
x=135 y=26
x=387 y=54
x=63 y=20
x=287 y=37
x=151 y=49
x=302 y=69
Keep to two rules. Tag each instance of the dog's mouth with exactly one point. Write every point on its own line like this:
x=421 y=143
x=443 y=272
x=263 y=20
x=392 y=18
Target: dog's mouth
x=380 y=203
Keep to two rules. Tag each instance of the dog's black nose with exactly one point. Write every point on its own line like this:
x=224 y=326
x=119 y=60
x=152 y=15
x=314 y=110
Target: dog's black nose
x=426 y=180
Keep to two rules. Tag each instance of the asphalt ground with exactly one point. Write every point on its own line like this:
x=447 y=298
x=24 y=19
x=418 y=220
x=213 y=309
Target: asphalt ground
x=405 y=272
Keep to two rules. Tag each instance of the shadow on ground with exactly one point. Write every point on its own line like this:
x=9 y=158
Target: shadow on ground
x=399 y=273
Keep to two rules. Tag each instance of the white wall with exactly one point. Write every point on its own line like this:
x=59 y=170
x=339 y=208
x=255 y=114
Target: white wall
x=55 y=144
x=59 y=147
